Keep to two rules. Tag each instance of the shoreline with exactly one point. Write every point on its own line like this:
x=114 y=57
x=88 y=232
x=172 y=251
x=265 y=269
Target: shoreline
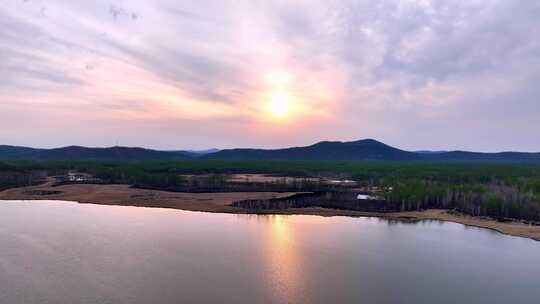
x=124 y=195
x=515 y=229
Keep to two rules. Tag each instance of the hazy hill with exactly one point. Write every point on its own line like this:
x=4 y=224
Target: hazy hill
x=84 y=153
x=366 y=149
x=201 y=152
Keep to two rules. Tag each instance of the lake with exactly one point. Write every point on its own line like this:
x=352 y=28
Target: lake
x=62 y=252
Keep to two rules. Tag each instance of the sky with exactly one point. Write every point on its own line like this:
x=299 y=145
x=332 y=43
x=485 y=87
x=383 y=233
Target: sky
x=440 y=75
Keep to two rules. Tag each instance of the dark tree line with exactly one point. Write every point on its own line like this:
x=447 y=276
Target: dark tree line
x=478 y=188
x=494 y=199
x=11 y=179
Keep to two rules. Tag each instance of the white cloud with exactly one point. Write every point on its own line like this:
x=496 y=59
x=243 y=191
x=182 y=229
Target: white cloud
x=379 y=68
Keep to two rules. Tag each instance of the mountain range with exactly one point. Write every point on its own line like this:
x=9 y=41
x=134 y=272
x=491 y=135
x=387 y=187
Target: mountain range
x=84 y=153
x=366 y=149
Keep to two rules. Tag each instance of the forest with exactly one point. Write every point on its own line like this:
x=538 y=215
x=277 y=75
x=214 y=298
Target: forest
x=499 y=190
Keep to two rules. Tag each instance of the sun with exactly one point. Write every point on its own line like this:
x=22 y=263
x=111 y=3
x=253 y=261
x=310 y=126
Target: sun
x=279 y=104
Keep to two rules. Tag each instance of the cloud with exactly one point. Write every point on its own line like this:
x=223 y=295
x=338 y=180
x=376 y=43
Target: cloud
x=388 y=69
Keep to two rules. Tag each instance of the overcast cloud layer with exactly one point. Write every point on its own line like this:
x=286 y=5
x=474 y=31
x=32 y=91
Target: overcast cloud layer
x=197 y=74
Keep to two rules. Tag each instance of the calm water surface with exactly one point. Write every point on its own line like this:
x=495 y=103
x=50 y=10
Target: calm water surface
x=60 y=252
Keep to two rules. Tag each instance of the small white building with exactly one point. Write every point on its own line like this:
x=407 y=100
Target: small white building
x=365 y=197
x=75 y=177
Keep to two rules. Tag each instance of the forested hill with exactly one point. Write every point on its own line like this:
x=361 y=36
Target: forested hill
x=84 y=153
x=366 y=149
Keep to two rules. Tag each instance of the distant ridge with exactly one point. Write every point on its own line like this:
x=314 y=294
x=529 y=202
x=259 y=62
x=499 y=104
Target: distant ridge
x=201 y=152
x=365 y=149
x=430 y=152
x=84 y=153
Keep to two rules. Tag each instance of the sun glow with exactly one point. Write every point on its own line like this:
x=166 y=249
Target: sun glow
x=280 y=100
x=279 y=104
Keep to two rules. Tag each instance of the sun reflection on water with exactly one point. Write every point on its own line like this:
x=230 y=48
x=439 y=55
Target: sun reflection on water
x=283 y=260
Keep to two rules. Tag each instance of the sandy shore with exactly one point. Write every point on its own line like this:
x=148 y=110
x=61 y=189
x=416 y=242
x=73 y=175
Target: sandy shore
x=220 y=202
x=123 y=195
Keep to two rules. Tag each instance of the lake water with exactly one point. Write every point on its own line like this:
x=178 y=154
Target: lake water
x=60 y=252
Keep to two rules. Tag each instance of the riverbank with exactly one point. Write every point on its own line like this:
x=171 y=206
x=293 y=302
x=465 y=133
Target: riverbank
x=124 y=195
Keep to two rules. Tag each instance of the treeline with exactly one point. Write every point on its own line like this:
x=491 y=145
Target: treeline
x=370 y=171
x=498 y=199
x=17 y=176
x=207 y=176
x=502 y=190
